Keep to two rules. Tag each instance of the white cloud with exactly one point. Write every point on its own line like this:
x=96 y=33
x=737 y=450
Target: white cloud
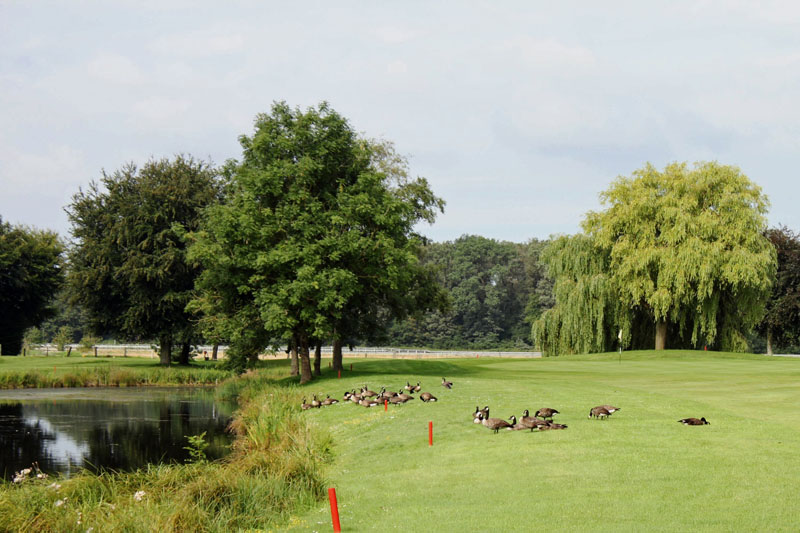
x=548 y=53
x=198 y=44
x=114 y=68
x=394 y=34
x=158 y=111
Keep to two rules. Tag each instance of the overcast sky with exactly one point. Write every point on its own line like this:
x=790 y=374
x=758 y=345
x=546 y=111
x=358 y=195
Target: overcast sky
x=518 y=112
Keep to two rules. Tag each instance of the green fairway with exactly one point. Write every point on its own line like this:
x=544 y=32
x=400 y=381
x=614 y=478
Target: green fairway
x=640 y=470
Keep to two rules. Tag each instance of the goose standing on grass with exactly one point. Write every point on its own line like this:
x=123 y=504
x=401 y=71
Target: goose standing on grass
x=694 y=421
x=427 y=397
x=405 y=397
x=495 y=424
x=610 y=408
x=417 y=387
x=447 y=384
x=546 y=412
x=599 y=412
x=366 y=393
x=316 y=403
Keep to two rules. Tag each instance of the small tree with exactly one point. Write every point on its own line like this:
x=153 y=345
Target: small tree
x=63 y=337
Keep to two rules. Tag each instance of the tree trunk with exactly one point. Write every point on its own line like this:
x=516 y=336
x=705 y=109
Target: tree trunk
x=661 y=334
x=183 y=358
x=305 y=362
x=214 y=352
x=337 y=355
x=295 y=361
x=318 y=359
x=769 y=341
x=165 y=350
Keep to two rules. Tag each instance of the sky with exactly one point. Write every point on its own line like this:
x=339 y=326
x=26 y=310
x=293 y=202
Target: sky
x=519 y=113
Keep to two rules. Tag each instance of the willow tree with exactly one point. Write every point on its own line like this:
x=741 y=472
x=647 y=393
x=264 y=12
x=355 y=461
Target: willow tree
x=685 y=254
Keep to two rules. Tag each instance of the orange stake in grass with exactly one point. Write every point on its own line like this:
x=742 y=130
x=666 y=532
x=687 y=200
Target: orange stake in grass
x=430 y=433
x=337 y=527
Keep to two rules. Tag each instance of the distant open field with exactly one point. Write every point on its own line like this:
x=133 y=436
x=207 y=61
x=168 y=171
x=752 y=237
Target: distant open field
x=59 y=371
x=638 y=471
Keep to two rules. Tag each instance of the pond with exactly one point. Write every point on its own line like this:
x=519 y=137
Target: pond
x=120 y=429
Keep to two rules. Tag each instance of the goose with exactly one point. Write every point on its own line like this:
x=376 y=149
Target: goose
x=366 y=393
x=495 y=424
x=417 y=387
x=476 y=416
x=552 y=425
x=610 y=408
x=427 y=397
x=316 y=403
x=447 y=384
x=329 y=401
x=347 y=395
x=409 y=387
x=546 y=412
x=396 y=400
x=405 y=397
x=530 y=421
x=694 y=422
x=367 y=403
x=305 y=406
x=599 y=412
x=514 y=425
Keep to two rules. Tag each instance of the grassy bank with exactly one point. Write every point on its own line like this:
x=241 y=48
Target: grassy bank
x=275 y=468
x=58 y=371
x=640 y=470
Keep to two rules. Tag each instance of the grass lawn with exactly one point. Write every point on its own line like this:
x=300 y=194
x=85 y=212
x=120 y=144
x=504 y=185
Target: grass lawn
x=638 y=471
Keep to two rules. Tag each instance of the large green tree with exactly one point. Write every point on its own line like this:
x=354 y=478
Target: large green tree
x=314 y=240
x=678 y=253
x=30 y=275
x=781 y=323
x=128 y=264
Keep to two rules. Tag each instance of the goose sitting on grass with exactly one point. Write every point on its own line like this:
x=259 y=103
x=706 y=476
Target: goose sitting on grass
x=694 y=421
x=495 y=424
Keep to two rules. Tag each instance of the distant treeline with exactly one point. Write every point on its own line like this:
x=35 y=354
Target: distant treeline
x=496 y=289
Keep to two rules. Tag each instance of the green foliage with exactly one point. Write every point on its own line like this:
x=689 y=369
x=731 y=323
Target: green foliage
x=781 y=323
x=129 y=266
x=62 y=337
x=314 y=239
x=683 y=248
x=88 y=342
x=495 y=288
x=197 y=446
x=30 y=275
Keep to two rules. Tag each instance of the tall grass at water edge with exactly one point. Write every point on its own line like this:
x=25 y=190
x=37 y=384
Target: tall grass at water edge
x=272 y=471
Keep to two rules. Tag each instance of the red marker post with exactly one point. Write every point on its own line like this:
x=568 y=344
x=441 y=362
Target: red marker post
x=385 y=405
x=337 y=527
x=339 y=374
x=430 y=433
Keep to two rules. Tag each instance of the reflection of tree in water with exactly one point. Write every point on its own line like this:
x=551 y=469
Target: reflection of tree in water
x=21 y=444
x=118 y=435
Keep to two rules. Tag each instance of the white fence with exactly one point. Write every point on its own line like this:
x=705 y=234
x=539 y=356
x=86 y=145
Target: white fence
x=147 y=350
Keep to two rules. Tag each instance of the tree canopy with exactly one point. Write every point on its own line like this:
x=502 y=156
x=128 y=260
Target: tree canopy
x=30 y=274
x=128 y=264
x=781 y=323
x=679 y=253
x=315 y=238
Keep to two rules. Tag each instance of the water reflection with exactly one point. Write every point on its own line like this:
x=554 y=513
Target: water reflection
x=119 y=429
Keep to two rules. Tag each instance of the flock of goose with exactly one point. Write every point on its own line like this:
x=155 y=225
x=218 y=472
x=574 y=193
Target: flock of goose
x=542 y=420
x=369 y=398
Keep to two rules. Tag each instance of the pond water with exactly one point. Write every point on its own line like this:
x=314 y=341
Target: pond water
x=121 y=429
